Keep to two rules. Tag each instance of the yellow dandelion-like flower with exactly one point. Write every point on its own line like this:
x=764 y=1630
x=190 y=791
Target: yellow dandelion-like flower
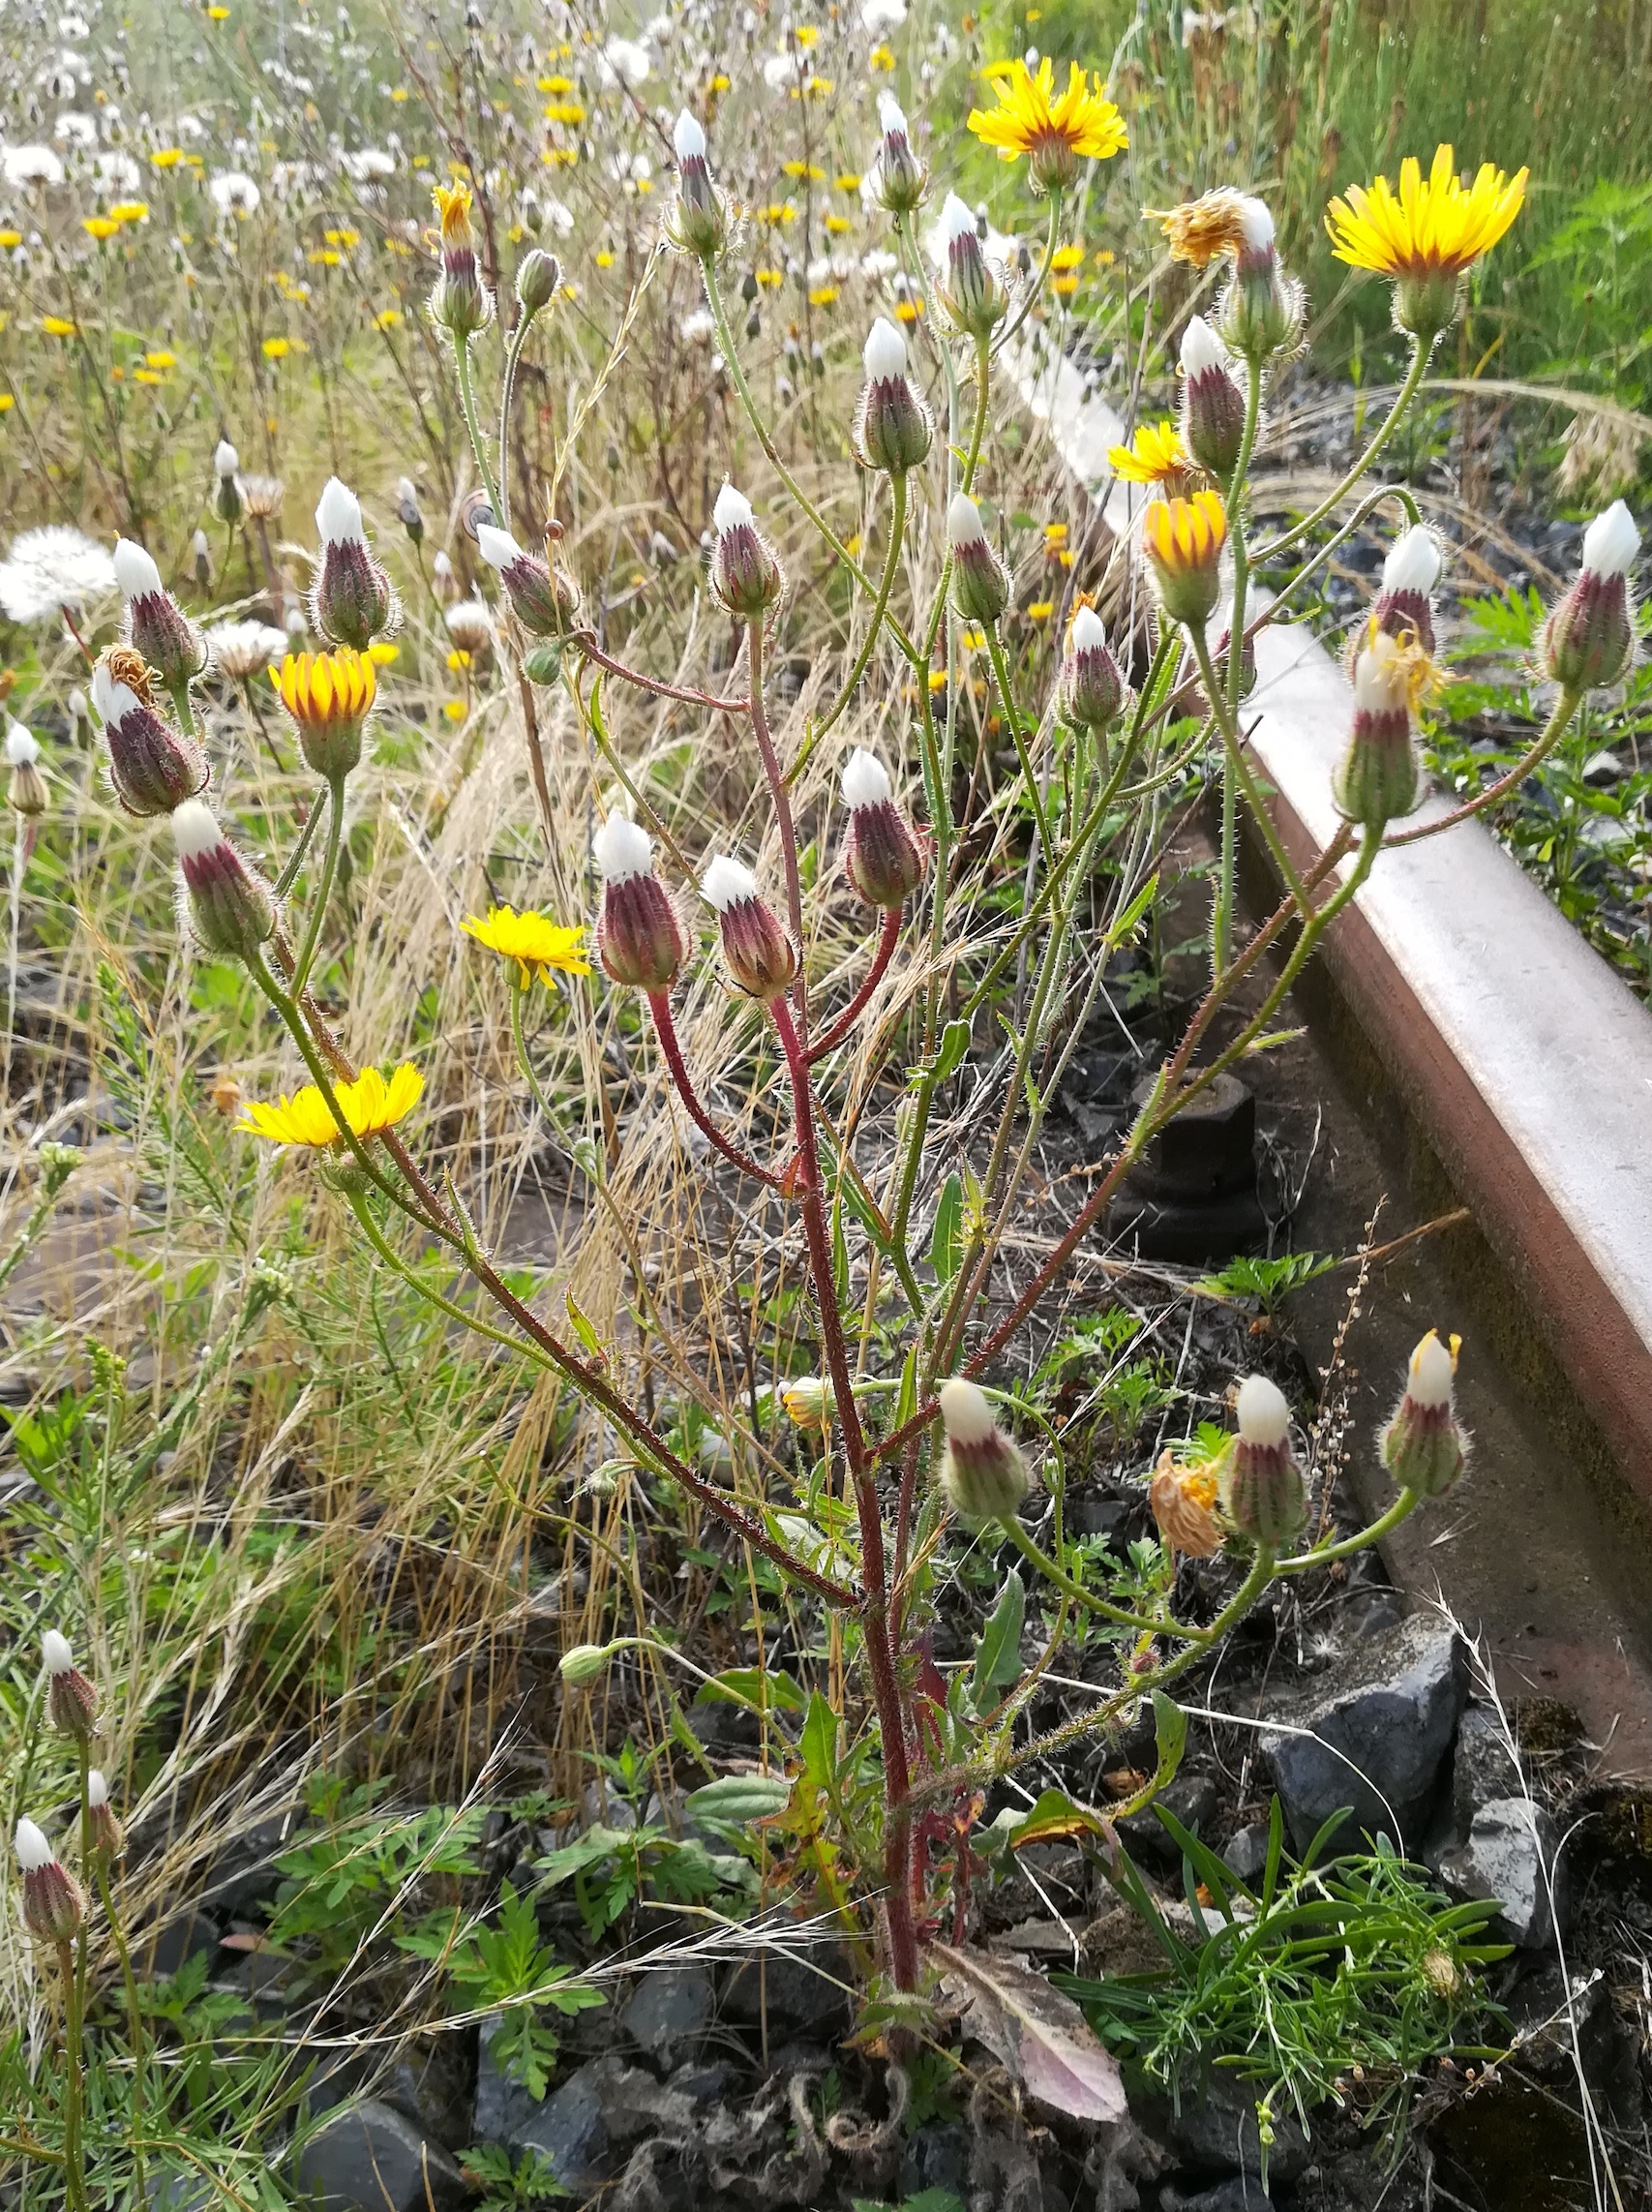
x=145 y=377
x=454 y=710
x=277 y=348
x=453 y=206
x=1040 y=610
x=1154 y=456
x=850 y=181
x=100 y=226
x=159 y=357
x=387 y=318
x=381 y=652
x=1066 y=257
x=9 y=239
x=823 y=295
x=1185 y=533
x=7 y=400
x=1432 y=230
x=556 y=84
x=59 y=326
x=168 y=156
x=882 y=57
x=1055 y=132
x=130 y=211
x=369 y=1105
x=536 y=944
x=323 y=689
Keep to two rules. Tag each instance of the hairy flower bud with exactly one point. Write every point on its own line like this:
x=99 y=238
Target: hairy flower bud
x=1262 y=1490
x=808 y=1402
x=407 y=509
x=1213 y=406
x=980 y=584
x=883 y=853
x=458 y=299
x=157 y=626
x=353 y=601
x=70 y=1701
x=902 y=180
x=893 y=426
x=982 y=1474
x=538 y=279
x=153 y=767
x=544 y=601
x=1404 y=607
x=1184 y=540
x=1090 y=688
x=1588 y=640
x=25 y=786
x=1379 y=776
x=226 y=499
x=746 y=575
x=106 y=1833
x=231 y=907
x=700 y=222
x=640 y=940
x=1261 y=311
x=759 y=957
x=53 y=1905
x=582 y=1663
x=1422 y=1445
x=973 y=292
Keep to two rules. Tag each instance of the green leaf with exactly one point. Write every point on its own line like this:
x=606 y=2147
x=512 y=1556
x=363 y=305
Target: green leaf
x=770 y=1690
x=818 y=1744
x=945 y=1237
x=583 y=1327
x=998 y=1653
x=1054 y=1818
x=954 y=1043
x=1170 y=1736
x=740 y=1798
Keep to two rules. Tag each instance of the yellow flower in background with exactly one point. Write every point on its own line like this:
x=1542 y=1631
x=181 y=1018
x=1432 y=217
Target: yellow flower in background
x=1040 y=610
x=1055 y=132
x=536 y=944
x=59 y=326
x=100 y=226
x=9 y=239
x=381 y=652
x=130 y=211
x=387 y=318
x=1155 y=454
x=850 y=181
x=168 y=156
x=8 y=402
x=159 y=358
x=369 y=1104
x=454 y=710
x=277 y=348
x=1432 y=230
x=823 y=295
x=882 y=57
x=1066 y=257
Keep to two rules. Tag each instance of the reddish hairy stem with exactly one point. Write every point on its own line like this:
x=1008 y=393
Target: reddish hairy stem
x=585 y=641
x=659 y=1006
x=782 y=815
x=857 y=1005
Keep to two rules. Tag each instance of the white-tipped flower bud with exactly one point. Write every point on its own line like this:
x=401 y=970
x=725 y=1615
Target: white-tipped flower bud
x=759 y=955
x=1090 y=688
x=902 y=179
x=640 y=940
x=1423 y=1446
x=700 y=222
x=70 y=1701
x=53 y=1906
x=1262 y=1490
x=106 y=1836
x=231 y=907
x=158 y=628
x=545 y=602
x=892 y=428
x=152 y=765
x=980 y=585
x=1588 y=641
x=1213 y=406
x=226 y=460
x=353 y=601
x=1379 y=776
x=1405 y=606
x=883 y=853
x=746 y=575
x=982 y=1473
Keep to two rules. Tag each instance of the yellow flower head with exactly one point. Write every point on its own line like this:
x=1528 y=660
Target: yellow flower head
x=368 y=1104
x=808 y=1402
x=1154 y=456
x=534 y=941
x=1219 y=222
x=1183 y=535
x=453 y=204
x=1395 y=672
x=1056 y=131
x=98 y=227
x=58 y=326
x=130 y=211
x=1426 y=230
x=324 y=690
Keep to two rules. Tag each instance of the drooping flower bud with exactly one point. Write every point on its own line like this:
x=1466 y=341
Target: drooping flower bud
x=980 y=584
x=157 y=626
x=883 y=853
x=1261 y=311
x=902 y=180
x=458 y=299
x=329 y=696
x=893 y=426
x=759 y=957
x=808 y=1402
x=1262 y=1490
x=1213 y=406
x=1421 y=1447
x=407 y=509
x=640 y=940
x=106 y=1834
x=1588 y=640
x=973 y=292
x=1404 y=607
x=746 y=575
x=1379 y=776
x=71 y=1700
x=353 y=600
x=25 y=786
x=53 y=1905
x=544 y=601
x=1184 y=540
x=1183 y=1499
x=982 y=1474
x=153 y=767
x=538 y=279
x=700 y=222
x=231 y=907
x=1090 y=689
x=226 y=467
x=582 y=1663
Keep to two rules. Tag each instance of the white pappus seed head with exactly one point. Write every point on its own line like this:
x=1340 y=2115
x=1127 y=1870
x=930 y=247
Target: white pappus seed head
x=884 y=350
x=964 y=1413
x=727 y=882
x=22 y=747
x=1089 y=632
x=97 y=1788
x=1256 y=223
x=32 y=1848
x=134 y=571
x=1414 y=562
x=963 y=521
x=498 y=548
x=194 y=826
x=623 y=849
x=731 y=510
x=226 y=460
x=1432 y=1375
x=865 y=781
x=1264 y=1417
x=56 y=1652
x=338 y=515
x=1201 y=348
x=1611 y=542
x=891 y=116
x=688 y=138
x=957 y=219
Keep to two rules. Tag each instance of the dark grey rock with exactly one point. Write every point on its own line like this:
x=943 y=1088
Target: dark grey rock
x=1247 y=1851
x=1240 y=2193
x=670 y=2011
x=796 y=1991
x=245 y=1877
x=1191 y=1798
x=372 y=2159
x=585 y=2126
x=186 y=1934
x=1216 y=2130
x=1482 y=1768
x=1511 y=1855
x=938 y=2156
x=1381 y=1724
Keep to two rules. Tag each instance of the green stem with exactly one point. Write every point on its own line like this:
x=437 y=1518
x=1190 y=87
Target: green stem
x=289 y=875
x=472 y=423
x=325 y=890
x=1026 y=306
x=1229 y=728
x=1420 y=349
x=1322 y=1556
x=74 y=2171
x=1565 y=707
x=897 y=530
x=1000 y=677
x=133 y=2015
x=513 y=354
x=1035 y=1557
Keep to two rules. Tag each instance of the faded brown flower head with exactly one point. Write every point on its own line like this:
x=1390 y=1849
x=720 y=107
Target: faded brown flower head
x=127 y=665
x=1197 y=231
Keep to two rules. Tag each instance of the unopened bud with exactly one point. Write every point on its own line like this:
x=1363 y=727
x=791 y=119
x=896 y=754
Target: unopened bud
x=902 y=180
x=25 y=786
x=699 y=224
x=352 y=601
x=106 y=1834
x=230 y=905
x=157 y=626
x=1379 y=776
x=1213 y=406
x=1261 y=311
x=980 y=586
x=1184 y=540
x=53 y=1906
x=538 y=279
x=808 y=1402
x=459 y=299
x=759 y=957
x=1090 y=689
x=883 y=853
x=640 y=940
x=582 y=1663
x=200 y=552
x=892 y=428
x=1404 y=607
x=1421 y=1447
x=153 y=767
x=982 y=1474
x=1588 y=640
x=746 y=575
x=973 y=292
x=407 y=511
x=227 y=499
x=1262 y=1490
x=71 y=1700
x=544 y=600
